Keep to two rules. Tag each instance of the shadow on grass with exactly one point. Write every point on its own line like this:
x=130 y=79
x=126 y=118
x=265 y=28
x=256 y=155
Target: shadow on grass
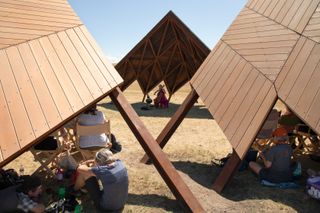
x=154 y=200
x=197 y=111
x=245 y=186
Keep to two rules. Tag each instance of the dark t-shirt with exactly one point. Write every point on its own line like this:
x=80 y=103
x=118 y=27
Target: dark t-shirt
x=280 y=156
x=114 y=180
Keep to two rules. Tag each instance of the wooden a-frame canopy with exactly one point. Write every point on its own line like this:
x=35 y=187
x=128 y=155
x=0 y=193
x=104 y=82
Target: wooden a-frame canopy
x=270 y=51
x=170 y=52
x=51 y=70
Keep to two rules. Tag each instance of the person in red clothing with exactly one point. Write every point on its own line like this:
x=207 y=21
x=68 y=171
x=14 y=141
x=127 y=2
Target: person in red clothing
x=161 y=99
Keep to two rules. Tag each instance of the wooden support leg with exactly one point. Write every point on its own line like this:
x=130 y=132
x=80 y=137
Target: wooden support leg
x=169 y=174
x=227 y=172
x=174 y=122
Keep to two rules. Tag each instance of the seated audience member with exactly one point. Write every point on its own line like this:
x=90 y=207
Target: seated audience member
x=92 y=117
x=161 y=99
x=113 y=176
x=276 y=160
x=23 y=197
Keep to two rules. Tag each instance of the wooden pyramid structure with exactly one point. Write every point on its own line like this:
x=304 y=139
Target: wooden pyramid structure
x=170 y=52
x=51 y=70
x=270 y=51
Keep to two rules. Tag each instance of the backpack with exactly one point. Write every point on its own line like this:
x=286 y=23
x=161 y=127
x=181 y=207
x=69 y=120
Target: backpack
x=9 y=178
x=116 y=145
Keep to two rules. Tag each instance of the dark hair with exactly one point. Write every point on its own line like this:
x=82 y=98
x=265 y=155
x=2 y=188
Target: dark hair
x=30 y=183
x=91 y=110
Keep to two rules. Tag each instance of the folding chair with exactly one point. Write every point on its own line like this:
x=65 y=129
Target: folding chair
x=303 y=133
x=265 y=134
x=89 y=153
x=48 y=150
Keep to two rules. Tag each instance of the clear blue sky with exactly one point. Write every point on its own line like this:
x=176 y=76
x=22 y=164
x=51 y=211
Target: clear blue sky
x=118 y=25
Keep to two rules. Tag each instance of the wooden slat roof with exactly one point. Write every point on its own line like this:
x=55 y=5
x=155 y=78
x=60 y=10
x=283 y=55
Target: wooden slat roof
x=270 y=51
x=47 y=79
x=170 y=52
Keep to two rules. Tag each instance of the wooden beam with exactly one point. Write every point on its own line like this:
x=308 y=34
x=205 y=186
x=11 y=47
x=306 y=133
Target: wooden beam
x=227 y=172
x=174 y=122
x=169 y=174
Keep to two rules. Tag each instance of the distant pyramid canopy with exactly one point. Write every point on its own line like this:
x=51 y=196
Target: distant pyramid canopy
x=170 y=52
x=51 y=69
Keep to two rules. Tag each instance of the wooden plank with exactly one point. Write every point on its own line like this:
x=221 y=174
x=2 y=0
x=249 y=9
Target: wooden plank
x=222 y=106
x=18 y=113
x=304 y=77
x=256 y=123
x=247 y=23
x=102 y=67
x=29 y=7
x=271 y=7
x=277 y=9
x=55 y=88
x=267 y=58
x=32 y=26
x=258 y=34
x=313 y=115
x=41 y=5
x=117 y=78
x=234 y=105
x=17 y=36
x=151 y=147
x=10 y=41
x=68 y=65
x=174 y=122
x=216 y=77
x=204 y=64
x=88 y=62
x=292 y=13
x=295 y=52
x=28 y=95
x=80 y=65
x=299 y=14
x=40 y=14
x=309 y=93
x=306 y=17
x=296 y=69
x=218 y=94
x=213 y=58
x=227 y=172
x=48 y=106
x=212 y=69
x=244 y=107
x=62 y=75
x=265 y=6
x=264 y=39
x=255 y=29
x=284 y=10
x=8 y=137
x=255 y=106
x=265 y=45
x=258 y=5
x=24 y=31
x=266 y=51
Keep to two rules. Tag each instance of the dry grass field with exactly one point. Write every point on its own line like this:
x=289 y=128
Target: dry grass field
x=197 y=141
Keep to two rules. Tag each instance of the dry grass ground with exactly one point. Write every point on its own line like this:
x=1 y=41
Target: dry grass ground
x=196 y=142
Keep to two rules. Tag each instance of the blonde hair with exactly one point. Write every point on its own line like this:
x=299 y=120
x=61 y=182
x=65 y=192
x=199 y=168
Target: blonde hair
x=104 y=157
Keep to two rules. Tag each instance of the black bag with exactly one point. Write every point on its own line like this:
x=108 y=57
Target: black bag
x=9 y=178
x=116 y=145
x=50 y=143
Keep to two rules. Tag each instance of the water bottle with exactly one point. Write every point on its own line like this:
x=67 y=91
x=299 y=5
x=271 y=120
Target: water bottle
x=77 y=209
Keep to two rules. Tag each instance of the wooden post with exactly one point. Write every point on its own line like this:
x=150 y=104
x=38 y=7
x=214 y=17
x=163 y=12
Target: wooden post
x=144 y=97
x=227 y=172
x=174 y=122
x=169 y=174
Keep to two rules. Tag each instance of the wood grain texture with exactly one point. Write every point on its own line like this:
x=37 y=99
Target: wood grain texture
x=294 y=14
x=28 y=20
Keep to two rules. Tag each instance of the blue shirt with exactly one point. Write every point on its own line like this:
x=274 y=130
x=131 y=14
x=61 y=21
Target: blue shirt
x=115 y=183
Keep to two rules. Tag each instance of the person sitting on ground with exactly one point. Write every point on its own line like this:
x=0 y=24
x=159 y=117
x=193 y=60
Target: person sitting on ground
x=113 y=176
x=161 y=99
x=92 y=117
x=23 y=197
x=277 y=160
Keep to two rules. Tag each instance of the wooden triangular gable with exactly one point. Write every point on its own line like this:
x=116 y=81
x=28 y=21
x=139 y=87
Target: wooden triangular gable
x=170 y=52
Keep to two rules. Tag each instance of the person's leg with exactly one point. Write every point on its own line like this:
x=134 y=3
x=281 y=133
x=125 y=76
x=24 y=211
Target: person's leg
x=92 y=186
x=255 y=167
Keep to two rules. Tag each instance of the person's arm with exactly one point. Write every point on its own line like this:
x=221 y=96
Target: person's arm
x=267 y=164
x=38 y=208
x=83 y=168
